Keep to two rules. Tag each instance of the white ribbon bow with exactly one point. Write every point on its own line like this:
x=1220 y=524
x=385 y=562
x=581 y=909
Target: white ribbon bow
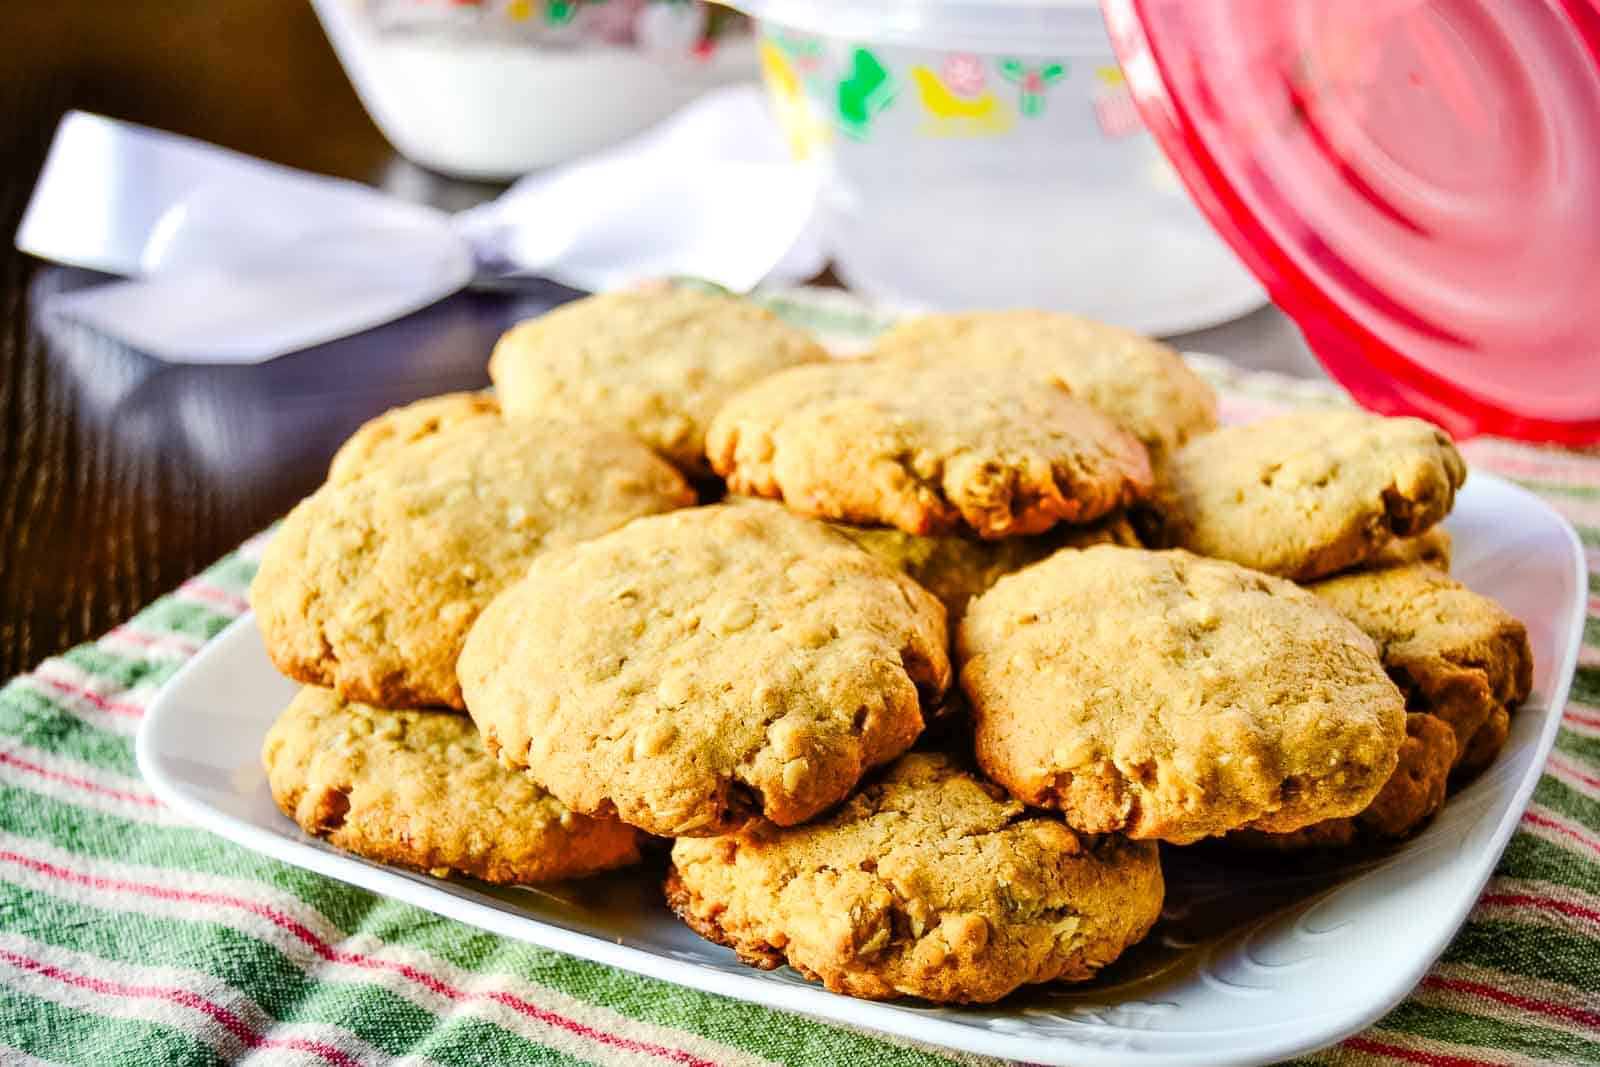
x=234 y=260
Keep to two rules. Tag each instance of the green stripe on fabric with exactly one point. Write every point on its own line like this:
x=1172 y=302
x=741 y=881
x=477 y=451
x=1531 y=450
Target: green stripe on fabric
x=1534 y=859
x=184 y=617
x=1534 y=951
x=1580 y=745
x=122 y=671
x=1591 y=627
x=1562 y=798
x=232 y=572
x=96 y=835
x=1479 y=1031
x=1589 y=535
x=1586 y=685
x=761 y=1031
x=68 y=1035
x=34 y=718
x=282 y=988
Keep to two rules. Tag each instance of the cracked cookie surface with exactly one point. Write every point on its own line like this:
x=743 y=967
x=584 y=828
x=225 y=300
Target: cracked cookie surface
x=371 y=583
x=1454 y=653
x=656 y=363
x=1308 y=494
x=691 y=670
x=1140 y=384
x=416 y=788
x=929 y=882
x=929 y=450
x=1167 y=696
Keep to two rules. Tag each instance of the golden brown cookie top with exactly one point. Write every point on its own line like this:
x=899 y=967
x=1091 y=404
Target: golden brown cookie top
x=1142 y=385
x=1433 y=547
x=1169 y=696
x=371 y=583
x=1454 y=653
x=928 y=449
x=417 y=788
x=406 y=425
x=929 y=882
x=1307 y=494
x=956 y=568
x=1411 y=796
x=693 y=669
x=657 y=363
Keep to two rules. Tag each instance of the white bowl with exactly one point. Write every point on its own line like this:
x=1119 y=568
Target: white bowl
x=495 y=108
x=989 y=155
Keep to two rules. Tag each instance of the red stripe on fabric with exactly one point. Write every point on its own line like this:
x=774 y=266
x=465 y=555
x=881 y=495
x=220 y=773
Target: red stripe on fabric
x=309 y=937
x=206 y=591
x=1411 y=1055
x=1544 y=1007
x=1582 y=720
x=1568 y=769
x=1523 y=900
x=248 y=1036
x=1539 y=820
x=113 y=707
x=134 y=637
x=82 y=783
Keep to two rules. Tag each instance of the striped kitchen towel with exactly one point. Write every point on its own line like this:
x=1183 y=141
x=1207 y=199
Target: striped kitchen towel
x=128 y=937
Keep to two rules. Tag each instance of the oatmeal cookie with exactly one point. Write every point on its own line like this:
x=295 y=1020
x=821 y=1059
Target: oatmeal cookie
x=1163 y=695
x=930 y=882
x=416 y=788
x=1308 y=494
x=928 y=450
x=691 y=670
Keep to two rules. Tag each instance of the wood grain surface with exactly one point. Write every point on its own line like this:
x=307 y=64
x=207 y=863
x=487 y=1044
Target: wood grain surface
x=121 y=476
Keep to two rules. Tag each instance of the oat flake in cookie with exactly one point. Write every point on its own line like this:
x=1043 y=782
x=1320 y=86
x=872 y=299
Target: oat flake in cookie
x=929 y=882
x=929 y=450
x=417 y=788
x=371 y=583
x=1163 y=695
x=691 y=670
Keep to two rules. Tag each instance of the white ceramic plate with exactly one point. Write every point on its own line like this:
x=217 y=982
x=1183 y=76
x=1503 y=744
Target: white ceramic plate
x=1247 y=965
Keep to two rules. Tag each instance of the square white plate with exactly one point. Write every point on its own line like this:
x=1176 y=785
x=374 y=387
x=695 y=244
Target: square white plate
x=1247 y=965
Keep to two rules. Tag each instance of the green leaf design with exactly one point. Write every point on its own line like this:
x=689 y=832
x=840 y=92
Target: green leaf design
x=867 y=91
x=1052 y=72
x=1012 y=69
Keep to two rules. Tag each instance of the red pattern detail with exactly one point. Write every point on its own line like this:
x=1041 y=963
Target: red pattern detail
x=1543 y=1007
x=248 y=1036
x=1550 y=824
x=113 y=707
x=1411 y=1055
x=327 y=952
x=202 y=590
x=1524 y=900
x=147 y=800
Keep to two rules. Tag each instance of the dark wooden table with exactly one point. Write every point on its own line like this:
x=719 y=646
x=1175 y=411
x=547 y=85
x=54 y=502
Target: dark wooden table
x=121 y=476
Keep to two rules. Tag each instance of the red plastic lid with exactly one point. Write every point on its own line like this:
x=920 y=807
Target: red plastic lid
x=1416 y=182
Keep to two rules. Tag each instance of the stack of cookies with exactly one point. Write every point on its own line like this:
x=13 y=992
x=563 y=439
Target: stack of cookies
x=983 y=618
